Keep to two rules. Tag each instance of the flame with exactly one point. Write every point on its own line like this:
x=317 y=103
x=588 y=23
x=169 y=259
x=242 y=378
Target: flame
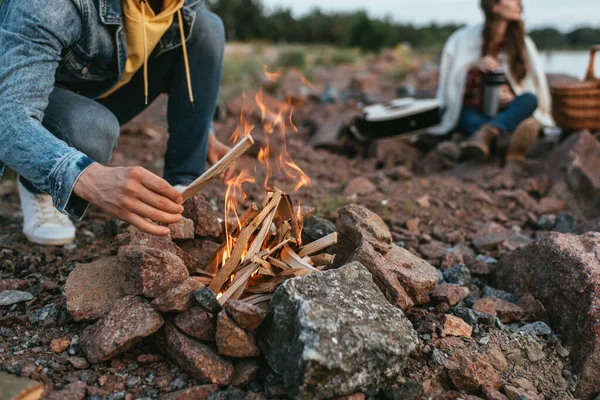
x=271 y=76
x=276 y=122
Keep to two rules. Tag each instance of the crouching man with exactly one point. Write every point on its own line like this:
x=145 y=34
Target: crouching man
x=72 y=72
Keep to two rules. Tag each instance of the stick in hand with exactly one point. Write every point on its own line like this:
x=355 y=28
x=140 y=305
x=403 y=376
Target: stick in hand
x=221 y=166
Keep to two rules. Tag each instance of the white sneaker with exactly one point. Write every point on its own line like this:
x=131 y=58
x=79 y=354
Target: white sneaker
x=44 y=224
x=180 y=188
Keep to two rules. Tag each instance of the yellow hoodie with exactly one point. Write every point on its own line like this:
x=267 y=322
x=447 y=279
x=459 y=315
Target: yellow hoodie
x=143 y=30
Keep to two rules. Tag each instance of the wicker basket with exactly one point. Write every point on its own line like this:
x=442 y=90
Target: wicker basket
x=576 y=106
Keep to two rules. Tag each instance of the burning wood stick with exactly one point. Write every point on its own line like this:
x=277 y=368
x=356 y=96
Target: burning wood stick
x=236 y=255
x=220 y=167
x=323 y=259
x=318 y=245
x=293 y=260
x=239 y=282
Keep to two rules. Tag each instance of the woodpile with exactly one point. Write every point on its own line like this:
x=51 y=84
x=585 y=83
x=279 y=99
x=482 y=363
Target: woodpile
x=264 y=249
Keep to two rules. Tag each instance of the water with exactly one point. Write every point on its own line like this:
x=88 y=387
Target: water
x=573 y=63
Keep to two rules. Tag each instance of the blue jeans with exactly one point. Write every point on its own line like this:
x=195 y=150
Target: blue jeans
x=508 y=120
x=92 y=126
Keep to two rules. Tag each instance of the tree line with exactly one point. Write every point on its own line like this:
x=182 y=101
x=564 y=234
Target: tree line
x=248 y=20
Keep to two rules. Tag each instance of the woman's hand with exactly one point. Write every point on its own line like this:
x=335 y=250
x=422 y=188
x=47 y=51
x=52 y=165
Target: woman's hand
x=506 y=96
x=488 y=64
x=216 y=151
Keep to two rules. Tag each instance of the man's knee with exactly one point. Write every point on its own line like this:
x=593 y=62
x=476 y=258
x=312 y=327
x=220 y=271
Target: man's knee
x=209 y=31
x=92 y=129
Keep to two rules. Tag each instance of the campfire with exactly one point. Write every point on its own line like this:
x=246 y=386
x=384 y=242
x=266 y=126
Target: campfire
x=263 y=245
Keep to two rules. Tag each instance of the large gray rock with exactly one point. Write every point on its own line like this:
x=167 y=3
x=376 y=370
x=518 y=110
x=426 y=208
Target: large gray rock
x=563 y=272
x=333 y=333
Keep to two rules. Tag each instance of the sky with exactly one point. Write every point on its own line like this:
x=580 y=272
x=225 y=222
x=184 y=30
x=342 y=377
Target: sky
x=563 y=14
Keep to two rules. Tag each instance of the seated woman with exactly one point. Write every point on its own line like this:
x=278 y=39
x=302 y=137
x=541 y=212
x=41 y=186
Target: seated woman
x=470 y=53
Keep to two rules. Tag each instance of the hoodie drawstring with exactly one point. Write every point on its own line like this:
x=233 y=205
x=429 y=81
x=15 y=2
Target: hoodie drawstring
x=185 y=57
x=183 y=46
x=145 y=51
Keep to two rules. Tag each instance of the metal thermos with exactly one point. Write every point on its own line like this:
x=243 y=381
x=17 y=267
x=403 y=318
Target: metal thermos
x=491 y=92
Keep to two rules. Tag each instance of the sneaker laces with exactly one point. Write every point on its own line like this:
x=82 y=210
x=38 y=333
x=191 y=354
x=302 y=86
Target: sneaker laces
x=46 y=211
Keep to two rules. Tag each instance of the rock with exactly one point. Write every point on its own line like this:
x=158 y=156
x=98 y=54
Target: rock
x=534 y=309
x=480 y=268
x=565 y=223
x=473 y=317
x=14 y=284
x=358 y=225
x=313 y=346
x=507 y=312
x=183 y=229
x=148 y=358
x=198 y=359
x=449 y=294
x=563 y=272
x=475 y=375
x=79 y=362
x=400 y=173
x=130 y=320
x=247 y=316
x=234 y=341
x=459 y=275
x=492 y=394
x=514 y=393
x=490 y=237
x=73 y=391
x=206 y=220
x=459 y=254
x=359 y=186
x=413 y=226
x=496 y=358
x=546 y=221
x=200 y=252
x=233 y=393
x=489 y=291
x=454 y=326
x=403 y=278
x=536 y=328
x=433 y=251
x=59 y=345
x=208 y=300
x=315 y=228
x=244 y=372
x=10 y=297
x=550 y=205
x=195 y=392
x=49 y=286
x=92 y=289
x=150 y=272
x=133 y=236
x=402 y=390
x=198 y=323
x=179 y=298
x=577 y=162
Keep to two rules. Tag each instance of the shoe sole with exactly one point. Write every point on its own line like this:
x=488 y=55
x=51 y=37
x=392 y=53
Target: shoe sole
x=50 y=242
x=473 y=153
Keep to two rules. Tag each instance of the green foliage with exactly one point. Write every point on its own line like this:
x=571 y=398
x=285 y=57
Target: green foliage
x=292 y=58
x=247 y=20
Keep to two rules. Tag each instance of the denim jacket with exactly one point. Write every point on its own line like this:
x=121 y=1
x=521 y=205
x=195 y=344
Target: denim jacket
x=76 y=44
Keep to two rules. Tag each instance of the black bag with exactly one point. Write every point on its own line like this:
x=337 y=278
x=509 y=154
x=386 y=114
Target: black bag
x=405 y=116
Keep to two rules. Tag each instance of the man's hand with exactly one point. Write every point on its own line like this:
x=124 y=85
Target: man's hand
x=133 y=195
x=216 y=151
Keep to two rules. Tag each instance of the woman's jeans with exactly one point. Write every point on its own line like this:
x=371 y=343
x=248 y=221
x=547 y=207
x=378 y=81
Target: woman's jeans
x=508 y=120
x=92 y=126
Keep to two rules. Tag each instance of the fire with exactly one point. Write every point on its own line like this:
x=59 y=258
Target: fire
x=276 y=123
x=271 y=76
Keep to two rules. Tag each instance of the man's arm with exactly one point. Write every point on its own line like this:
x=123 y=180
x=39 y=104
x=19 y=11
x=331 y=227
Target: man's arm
x=33 y=34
